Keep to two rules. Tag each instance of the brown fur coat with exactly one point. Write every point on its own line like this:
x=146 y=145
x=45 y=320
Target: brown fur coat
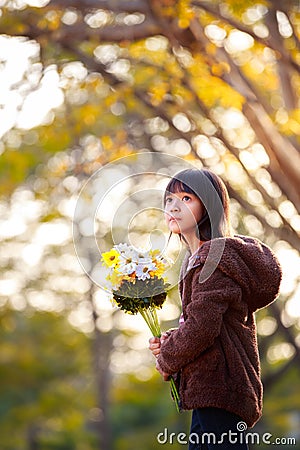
x=215 y=350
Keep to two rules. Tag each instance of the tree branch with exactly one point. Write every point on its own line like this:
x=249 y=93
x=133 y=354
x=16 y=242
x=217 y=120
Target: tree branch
x=295 y=36
x=220 y=135
x=275 y=145
x=283 y=233
x=110 y=33
x=283 y=69
x=93 y=65
x=287 y=333
x=237 y=25
x=111 y=5
x=81 y=31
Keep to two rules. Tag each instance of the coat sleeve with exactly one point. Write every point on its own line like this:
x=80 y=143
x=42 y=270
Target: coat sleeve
x=203 y=319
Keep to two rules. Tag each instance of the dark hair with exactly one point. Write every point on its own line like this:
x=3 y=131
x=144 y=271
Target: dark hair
x=213 y=194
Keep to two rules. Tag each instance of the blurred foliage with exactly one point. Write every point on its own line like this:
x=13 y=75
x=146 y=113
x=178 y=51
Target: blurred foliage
x=45 y=372
x=48 y=393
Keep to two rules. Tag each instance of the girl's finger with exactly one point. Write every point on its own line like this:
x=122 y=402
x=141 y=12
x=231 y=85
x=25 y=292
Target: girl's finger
x=154 y=339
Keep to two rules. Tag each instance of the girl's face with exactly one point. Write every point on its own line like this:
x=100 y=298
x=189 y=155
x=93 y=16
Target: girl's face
x=183 y=211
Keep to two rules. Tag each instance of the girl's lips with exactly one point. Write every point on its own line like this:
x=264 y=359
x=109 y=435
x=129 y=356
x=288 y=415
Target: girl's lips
x=173 y=219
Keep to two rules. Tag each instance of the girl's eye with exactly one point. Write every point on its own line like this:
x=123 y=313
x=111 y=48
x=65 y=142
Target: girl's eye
x=168 y=200
x=186 y=198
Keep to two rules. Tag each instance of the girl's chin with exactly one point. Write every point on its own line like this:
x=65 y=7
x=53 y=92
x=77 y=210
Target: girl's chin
x=174 y=228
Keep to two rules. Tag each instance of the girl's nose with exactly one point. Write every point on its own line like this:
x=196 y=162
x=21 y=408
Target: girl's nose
x=175 y=205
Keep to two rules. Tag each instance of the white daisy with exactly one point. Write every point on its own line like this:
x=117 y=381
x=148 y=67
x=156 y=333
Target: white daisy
x=127 y=266
x=121 y=248
x=142 y=270
x=130 y=254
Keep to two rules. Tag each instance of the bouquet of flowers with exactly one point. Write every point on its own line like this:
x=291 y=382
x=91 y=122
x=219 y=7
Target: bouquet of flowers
x=138 y=286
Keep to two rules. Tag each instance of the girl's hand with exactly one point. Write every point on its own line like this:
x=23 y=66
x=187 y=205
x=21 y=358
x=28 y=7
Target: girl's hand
x=154 y=346
x=155 y=343
x=164 y=336
x=166 y=376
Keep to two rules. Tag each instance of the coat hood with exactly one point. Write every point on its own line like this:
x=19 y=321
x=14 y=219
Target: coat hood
x=247 y=261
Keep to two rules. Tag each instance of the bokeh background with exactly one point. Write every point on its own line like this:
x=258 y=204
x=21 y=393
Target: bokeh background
x=82 y=84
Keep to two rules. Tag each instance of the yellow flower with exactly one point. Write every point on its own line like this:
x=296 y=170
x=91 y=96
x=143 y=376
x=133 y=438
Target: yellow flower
x=160 y=268
x=111 y=258
x=115 y=278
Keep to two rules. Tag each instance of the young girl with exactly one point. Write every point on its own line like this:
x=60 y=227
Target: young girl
x=225 y=278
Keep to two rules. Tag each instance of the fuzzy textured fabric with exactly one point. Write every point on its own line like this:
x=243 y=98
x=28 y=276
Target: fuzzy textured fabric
x=214 y=351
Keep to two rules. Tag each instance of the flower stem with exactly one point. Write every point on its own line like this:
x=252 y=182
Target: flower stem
x=175 y=394
x=151 y=319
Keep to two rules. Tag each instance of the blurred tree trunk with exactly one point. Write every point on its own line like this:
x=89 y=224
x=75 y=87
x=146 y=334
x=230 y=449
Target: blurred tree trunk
x=101 y=350
x=284 y=171
x=285 y=74
x=32 y=437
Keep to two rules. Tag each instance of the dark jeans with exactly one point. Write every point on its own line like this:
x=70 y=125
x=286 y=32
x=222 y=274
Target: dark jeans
x=214 y=428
